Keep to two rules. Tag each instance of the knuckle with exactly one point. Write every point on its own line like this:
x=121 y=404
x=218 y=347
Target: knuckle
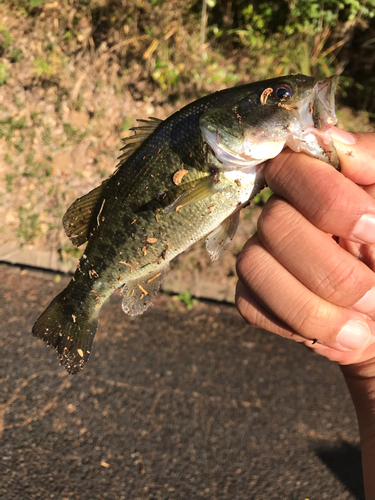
x=276 y=211
x=250 y=313
x=247 y=262
x=343 y=281
x=307 y=317
x=331 y=201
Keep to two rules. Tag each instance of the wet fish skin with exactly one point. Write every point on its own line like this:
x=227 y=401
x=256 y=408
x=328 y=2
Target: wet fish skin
x=140 y=218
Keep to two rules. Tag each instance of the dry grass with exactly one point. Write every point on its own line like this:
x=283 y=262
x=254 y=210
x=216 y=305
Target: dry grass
x=74 y=76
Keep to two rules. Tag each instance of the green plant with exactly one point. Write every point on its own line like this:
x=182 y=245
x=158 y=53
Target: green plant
x=35 y=3
x=261 y=198
x=42 y=67
x=3 y=73
x=46 y=135
x=6 y=38
x=166 y=74
x=9 y=177
x=70 y=131
x=29 y=226
x=15 y=54
x=187 y=299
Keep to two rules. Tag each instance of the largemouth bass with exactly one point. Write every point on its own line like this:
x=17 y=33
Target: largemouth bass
x=178 y=181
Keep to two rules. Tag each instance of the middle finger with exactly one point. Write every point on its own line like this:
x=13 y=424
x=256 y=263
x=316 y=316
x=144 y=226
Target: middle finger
x=315 y=258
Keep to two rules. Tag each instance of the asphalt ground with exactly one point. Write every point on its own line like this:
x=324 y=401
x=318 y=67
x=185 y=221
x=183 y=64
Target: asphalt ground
x=174 y=404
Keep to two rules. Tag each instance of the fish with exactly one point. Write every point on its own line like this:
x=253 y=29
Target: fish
x=178 y=181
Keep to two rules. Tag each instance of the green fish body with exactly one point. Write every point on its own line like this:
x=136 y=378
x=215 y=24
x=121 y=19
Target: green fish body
x=178 y=181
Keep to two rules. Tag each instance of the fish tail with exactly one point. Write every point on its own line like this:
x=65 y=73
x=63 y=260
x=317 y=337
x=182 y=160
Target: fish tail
x=71 y=332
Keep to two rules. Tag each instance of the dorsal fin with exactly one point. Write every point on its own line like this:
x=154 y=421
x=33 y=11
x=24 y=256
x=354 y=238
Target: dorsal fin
x=140 y=134
x=78 y=217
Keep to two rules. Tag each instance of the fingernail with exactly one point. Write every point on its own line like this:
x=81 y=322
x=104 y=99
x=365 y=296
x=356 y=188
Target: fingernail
x=367 y=303
x=364 y=229
x=353 y=335
x=343 y=136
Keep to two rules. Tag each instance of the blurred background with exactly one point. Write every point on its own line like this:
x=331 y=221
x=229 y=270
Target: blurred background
x=76 y=74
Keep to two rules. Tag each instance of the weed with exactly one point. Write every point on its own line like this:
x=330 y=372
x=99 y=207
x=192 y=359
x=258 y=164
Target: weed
x=70 y=131
x=46 y=135
x=166 y=74
x=18 y=102
x=187 y=299
x=29 y=226
x=8 y=159
x=36 y=117
x=9 y=177
x=6 y=38
x=3 y=74
x=261 y=198
x=35 y=3
x=15 y=55
x=30 y=158
x=18 y=144
x=10 y=125
x=42 y=67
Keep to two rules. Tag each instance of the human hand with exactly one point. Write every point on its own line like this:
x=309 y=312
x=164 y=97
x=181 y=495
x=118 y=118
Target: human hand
x=298 y=281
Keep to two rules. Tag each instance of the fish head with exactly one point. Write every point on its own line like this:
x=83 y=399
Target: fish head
x=256 y=124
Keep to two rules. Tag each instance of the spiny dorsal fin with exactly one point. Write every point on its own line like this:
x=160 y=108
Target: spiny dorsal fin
x=78 y=217
x=140 y=134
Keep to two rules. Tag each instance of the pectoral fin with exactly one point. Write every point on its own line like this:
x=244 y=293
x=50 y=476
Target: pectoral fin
x=202 y=189
x=139 y=293
x=219 y=239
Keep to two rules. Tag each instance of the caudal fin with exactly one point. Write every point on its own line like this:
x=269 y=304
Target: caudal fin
x=71 y=335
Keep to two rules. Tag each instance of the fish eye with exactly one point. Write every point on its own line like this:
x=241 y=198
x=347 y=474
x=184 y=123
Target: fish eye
x=282 y=92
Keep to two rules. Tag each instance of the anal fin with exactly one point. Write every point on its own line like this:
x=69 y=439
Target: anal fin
x=139 y=293
x=219 y=239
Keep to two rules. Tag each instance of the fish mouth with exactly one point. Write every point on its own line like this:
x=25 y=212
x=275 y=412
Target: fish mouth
x=322 y=109
x=320 y=117
x=324 y=115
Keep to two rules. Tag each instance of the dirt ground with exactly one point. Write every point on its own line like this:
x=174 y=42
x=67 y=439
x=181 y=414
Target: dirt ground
x=62 y=120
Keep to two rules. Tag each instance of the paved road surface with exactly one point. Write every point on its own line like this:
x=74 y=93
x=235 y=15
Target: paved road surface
x=174 y=404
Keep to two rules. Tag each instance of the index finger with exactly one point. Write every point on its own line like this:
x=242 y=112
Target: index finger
x=328 y=199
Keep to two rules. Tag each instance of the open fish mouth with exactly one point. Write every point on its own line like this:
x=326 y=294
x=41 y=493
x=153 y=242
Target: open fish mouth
x=322 y=110
x=317 y=117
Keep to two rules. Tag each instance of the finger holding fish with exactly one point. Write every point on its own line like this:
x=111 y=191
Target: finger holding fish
x=317 y=288
x=323 y=195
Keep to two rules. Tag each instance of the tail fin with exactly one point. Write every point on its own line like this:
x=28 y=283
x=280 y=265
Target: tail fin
x=71 y=335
